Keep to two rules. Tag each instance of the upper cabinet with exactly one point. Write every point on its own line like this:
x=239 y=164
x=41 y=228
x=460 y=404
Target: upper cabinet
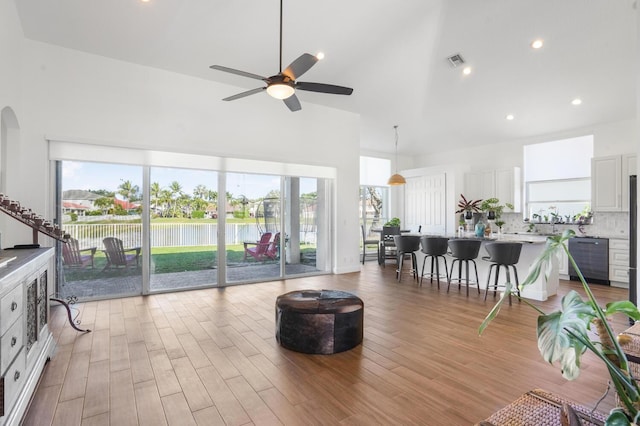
x=610 y=182
x=503 y=184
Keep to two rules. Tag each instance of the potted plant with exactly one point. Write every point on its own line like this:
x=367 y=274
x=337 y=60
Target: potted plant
x=468 y=207
x=492 y=205
x=563 y=335
x=395 y=221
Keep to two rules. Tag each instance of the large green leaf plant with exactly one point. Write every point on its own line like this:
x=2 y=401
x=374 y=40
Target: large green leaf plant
x=564 y=335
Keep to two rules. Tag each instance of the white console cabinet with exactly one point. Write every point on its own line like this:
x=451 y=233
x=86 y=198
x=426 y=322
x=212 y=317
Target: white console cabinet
x=26 y=283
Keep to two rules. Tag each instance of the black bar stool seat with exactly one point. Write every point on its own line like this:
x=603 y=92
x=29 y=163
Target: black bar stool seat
x=407 y=245
x=503 y=254
x=434 y=248
x=464 y=250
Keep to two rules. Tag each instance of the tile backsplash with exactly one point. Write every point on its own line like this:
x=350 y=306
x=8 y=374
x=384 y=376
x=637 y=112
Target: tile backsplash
x=606 y=225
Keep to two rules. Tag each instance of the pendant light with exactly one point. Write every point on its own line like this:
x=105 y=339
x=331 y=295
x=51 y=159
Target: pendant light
x=396 y=179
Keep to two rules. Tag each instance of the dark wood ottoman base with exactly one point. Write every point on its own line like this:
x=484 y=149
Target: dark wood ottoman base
x=319 y=322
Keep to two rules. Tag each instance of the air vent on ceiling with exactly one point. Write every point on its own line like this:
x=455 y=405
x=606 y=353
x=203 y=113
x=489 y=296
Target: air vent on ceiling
x=455 y=60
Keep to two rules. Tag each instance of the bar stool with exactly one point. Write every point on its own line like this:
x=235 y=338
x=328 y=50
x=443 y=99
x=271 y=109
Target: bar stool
x=435 y=248
x=407 y=245
x=503 y=254
x=464 y=250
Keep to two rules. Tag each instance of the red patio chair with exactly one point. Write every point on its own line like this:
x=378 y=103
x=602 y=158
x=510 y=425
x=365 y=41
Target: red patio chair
x=273 y=251
x=260 y=249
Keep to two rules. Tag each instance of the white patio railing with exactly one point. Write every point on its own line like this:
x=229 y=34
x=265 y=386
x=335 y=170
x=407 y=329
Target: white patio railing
x=169 y=234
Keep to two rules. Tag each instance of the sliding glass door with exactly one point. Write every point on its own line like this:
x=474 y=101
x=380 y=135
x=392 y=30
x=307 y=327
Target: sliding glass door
x=101 y=211
x=183 y=228
x=145 y=229
x=253 y=222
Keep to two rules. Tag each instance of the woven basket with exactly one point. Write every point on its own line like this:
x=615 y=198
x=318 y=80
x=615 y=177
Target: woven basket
x=541 y=408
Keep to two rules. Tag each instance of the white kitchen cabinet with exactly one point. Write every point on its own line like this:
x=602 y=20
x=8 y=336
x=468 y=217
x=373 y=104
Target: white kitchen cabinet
x=503 y=184
x=619 y=262
x=26 y=343
x=610 y=182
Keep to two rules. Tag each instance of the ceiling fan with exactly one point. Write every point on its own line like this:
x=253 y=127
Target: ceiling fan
x=283 y=85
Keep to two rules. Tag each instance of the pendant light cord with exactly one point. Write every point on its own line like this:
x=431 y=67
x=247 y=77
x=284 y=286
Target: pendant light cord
x=396 y=129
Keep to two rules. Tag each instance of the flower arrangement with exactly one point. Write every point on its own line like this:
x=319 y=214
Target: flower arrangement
x=564 y=335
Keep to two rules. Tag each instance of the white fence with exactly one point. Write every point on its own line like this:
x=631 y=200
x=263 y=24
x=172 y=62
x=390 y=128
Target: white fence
x=169 y=234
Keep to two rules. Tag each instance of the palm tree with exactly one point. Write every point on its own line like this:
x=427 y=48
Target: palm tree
x=175 y=189
x=128 y=190
x=154 y=193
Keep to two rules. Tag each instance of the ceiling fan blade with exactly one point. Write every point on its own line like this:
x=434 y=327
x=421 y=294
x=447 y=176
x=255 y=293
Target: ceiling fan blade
x=293 y=103
x=300 y=66
x=243 y=94
x=324 y=88
x=237 y=72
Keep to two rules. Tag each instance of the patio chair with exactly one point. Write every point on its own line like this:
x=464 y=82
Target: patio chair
x=259 y=248
x=273 y=251
x=117 y=255
x=72 y=256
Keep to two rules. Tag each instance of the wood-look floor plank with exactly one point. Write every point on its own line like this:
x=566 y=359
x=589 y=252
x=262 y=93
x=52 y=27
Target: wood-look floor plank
x=100 y=345
x=141 y=370
x=171 y=343
x=192 y=388
x=43 y=407
x=95 y=398
x=68 y=413
x=122 y=406
x=164 y=374
x=255 y=407
x=133 y=330
x=229 y=407
x=193 y=351
x=177 y=410
x=148 y=404
x=218 y=359
x=208 y=417
x=76 y=378
x=119 y=353
x=98 y=420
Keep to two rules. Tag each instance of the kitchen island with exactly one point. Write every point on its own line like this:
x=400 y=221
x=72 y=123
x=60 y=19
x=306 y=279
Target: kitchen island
x=532 y=246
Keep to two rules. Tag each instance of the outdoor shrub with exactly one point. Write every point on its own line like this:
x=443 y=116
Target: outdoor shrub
x=74 y=217
x=197 y=214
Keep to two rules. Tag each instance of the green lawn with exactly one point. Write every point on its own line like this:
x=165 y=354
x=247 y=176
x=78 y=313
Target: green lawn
x=171 y=259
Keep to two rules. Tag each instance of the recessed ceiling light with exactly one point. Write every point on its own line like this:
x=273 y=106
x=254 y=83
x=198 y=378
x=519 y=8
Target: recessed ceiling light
x=576 y=101
x=320 y=56
x=466 y=70
x=509 y=117
x=537 y=44
x=144 y=1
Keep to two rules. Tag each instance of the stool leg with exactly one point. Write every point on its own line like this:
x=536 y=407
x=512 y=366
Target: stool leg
x=437 y=270
x=453 y=265
x=459 y=274
x=495 y=285
x=515 y=272
x=422 y=273
x=475 y=267
x=509 y=281
x=415 y=265
x=488 y=281
x=466 y=262
x=399 y=262
x=446 y=268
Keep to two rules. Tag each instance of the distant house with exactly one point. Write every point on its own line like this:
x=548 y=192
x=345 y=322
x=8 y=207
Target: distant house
x=126 y=205
x=78 y=201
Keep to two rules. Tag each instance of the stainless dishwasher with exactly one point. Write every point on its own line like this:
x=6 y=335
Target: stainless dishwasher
x=592 y=257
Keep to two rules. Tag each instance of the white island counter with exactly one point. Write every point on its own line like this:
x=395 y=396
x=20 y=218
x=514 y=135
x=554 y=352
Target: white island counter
x=532 y=247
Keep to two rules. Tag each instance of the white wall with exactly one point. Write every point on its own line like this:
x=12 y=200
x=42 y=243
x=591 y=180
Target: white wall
x=608 y=139
x=74 y=96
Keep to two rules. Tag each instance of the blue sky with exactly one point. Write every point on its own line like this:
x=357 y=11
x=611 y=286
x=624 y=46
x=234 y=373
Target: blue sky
x=93 y=176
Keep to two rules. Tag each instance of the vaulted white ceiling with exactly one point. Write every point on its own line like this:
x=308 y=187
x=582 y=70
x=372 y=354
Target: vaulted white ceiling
x=392 y=52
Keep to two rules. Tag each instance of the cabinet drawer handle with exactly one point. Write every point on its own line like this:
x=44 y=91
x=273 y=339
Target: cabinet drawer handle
x=13 y=341
x=14 y=306
x=16 y=376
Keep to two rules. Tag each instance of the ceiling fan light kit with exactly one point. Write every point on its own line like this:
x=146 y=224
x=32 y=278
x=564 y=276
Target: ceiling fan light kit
x=283 y=85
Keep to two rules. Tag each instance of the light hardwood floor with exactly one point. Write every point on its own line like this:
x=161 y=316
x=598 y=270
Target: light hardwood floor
x=209 y=357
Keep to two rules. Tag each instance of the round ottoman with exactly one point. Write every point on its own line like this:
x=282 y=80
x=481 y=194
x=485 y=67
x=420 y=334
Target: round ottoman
x=319 y=322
